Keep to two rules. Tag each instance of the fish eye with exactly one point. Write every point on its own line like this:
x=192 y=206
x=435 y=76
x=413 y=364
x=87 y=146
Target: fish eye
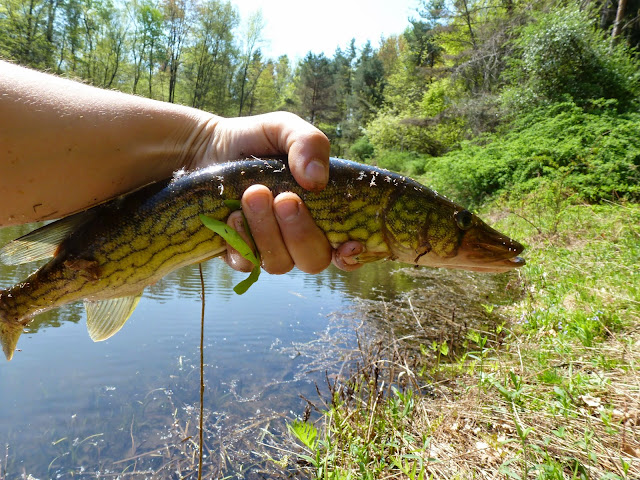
x=463 y=219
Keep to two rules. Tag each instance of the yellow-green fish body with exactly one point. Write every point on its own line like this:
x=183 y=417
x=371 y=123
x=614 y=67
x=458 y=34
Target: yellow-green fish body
x=107 y=255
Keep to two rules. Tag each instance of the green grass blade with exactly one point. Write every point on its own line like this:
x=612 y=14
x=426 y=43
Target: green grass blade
x=244 y=285
x=234 y=239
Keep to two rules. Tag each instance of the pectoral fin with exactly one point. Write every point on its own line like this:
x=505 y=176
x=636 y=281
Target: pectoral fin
x=43 y=242
x=9 y=335
x=106 y=317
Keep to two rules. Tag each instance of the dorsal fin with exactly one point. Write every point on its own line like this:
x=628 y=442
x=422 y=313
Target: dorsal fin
x=43 y=242
x=106 y=317
x=9 y=335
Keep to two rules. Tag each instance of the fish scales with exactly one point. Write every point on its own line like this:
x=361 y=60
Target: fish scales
x=113 y=251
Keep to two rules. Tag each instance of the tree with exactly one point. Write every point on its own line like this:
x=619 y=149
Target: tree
x=563 y=56
x=110 y=50
x=343 y=66
x=177 y=22
x=147 y=21
x=210 y=59
x=283 y=82
x=253 y=37
x=368 y=85
x=71 y=37
x=24 y=32
x=316 y=89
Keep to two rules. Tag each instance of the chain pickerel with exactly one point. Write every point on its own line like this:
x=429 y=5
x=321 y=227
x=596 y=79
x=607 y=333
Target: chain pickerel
x=108 y=254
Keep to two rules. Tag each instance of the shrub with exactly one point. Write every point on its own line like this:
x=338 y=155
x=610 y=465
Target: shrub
x=362 y=149
x=595 y=154
x=563 y=56
x=409 y=163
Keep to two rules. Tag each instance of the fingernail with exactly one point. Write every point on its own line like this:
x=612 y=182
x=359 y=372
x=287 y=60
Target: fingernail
x=316 y=172
x=287 y=210
x=257 y=203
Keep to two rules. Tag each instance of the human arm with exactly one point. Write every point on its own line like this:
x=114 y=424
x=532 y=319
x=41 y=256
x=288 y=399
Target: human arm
x=65 y=146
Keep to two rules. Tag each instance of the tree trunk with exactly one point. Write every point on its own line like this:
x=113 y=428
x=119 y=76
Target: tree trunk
x=617 y=26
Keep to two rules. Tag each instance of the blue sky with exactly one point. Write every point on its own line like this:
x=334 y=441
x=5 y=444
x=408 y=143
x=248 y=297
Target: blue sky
x=295 y=27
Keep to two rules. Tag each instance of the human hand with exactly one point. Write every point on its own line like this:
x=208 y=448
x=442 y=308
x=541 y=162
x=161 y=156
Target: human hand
x=282 y=227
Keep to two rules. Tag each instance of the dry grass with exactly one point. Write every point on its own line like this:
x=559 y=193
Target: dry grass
x=477 y=423
x=474 y=431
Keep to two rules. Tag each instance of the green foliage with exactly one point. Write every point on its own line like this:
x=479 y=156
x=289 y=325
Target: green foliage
x=542 y=405
x=371 y=438
x=409 y=163
x=389 y=131
x=564 y=56
x=26 y=29
x=315 y=88
x=234 y=239
x=596 y=153
x=362 y=149
x=305 y=432
x=572 y=239
x=368 y=86
x=208 y=61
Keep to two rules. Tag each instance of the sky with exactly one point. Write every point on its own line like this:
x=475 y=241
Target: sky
x=295 y=27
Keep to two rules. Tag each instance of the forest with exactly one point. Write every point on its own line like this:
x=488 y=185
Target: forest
x=460 y=94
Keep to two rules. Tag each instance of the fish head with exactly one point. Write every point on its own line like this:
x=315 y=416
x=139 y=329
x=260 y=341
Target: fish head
x=433 y=231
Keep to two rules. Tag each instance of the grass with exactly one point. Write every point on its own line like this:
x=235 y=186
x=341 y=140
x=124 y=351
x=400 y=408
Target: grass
x=546 y=386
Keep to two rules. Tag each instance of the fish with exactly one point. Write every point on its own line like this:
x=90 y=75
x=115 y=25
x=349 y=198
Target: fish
x=108 y=254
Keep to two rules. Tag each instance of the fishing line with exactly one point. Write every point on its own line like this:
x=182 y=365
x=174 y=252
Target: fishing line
x=201 y=372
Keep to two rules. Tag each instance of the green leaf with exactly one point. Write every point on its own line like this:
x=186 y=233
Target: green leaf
x=244 y=285
x=305 y=432
x=233 y=204
x=234 y=239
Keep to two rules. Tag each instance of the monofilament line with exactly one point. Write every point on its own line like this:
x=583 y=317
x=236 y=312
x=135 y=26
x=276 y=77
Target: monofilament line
x=200 y=447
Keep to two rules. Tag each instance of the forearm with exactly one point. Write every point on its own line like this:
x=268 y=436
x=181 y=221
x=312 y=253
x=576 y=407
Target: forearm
x=65 y=146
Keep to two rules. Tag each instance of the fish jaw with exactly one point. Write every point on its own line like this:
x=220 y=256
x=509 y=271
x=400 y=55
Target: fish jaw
x=481 y=249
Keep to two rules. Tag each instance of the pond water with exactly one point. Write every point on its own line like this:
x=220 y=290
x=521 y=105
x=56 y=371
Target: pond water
x=127 y=407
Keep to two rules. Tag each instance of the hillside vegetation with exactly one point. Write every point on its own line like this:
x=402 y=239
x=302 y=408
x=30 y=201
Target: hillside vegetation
x=482 y=97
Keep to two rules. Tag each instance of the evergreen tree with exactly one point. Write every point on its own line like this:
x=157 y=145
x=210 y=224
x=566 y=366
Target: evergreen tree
x=316 y=89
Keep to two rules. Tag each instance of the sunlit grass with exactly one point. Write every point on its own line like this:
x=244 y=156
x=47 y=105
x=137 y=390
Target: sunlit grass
x=549 y=390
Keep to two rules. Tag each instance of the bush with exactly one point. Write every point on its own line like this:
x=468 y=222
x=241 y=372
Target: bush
x=595 y=154
x=409 y=163
x=563 y=56
x=389 y=131
x=362 y=149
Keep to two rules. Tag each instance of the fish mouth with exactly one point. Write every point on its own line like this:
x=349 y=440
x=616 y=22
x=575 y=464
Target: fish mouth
x=483 y=249
x=498 y=266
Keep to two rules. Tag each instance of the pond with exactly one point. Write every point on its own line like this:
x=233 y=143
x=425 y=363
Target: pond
x=128 y=407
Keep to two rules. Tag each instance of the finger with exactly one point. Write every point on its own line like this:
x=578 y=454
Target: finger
x=233 y=258
x=309 y=160
x=344 y=257
x=257 y=204
x=307 y=244
x=272 y=134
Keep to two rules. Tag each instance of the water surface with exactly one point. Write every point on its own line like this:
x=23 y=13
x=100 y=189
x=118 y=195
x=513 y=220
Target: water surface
x=74 y=407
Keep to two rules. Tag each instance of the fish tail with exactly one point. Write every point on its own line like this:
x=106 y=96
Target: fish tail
x=9 y=332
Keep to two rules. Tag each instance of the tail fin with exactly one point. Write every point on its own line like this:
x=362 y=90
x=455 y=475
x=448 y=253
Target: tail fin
x=9 y=335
